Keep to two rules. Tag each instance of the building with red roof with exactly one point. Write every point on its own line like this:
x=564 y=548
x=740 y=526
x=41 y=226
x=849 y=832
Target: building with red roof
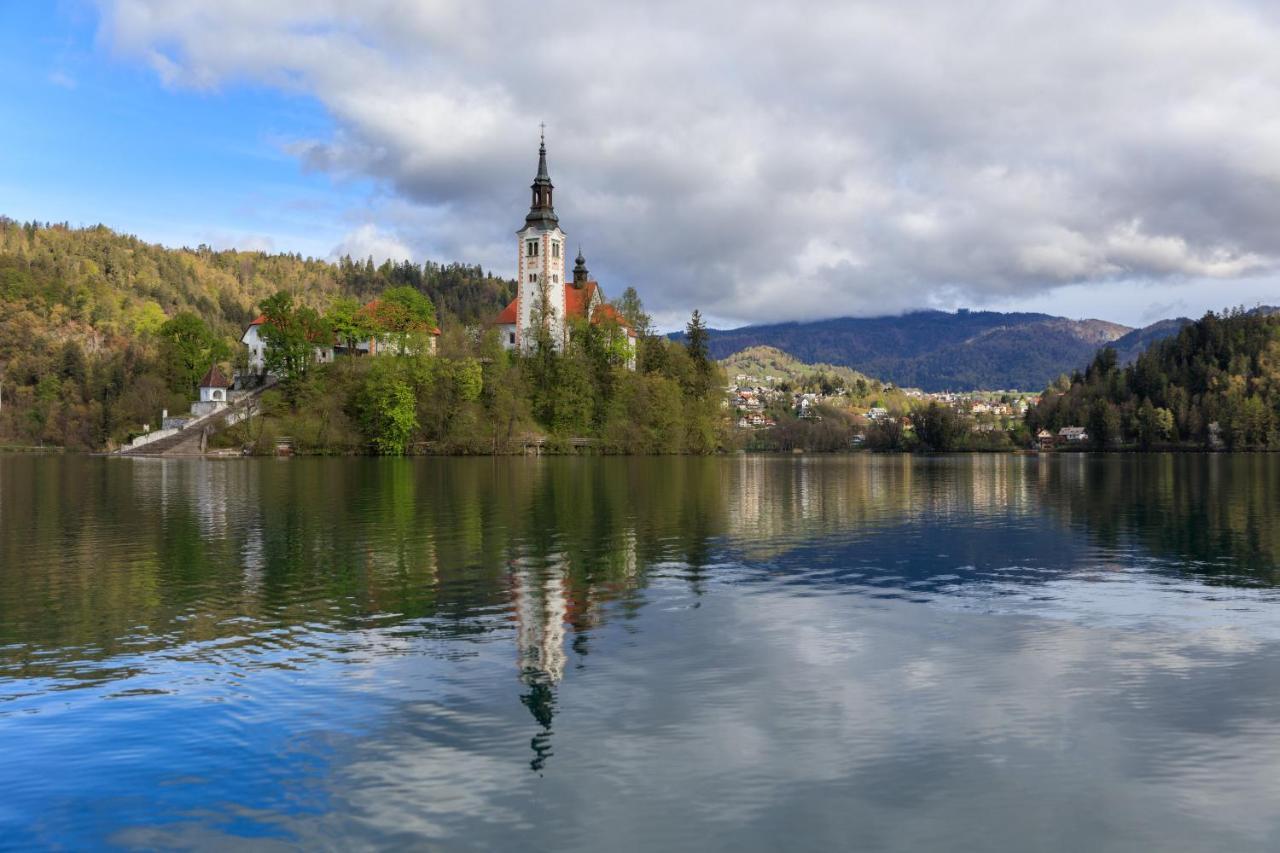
x=325 y=350
x=544 y=294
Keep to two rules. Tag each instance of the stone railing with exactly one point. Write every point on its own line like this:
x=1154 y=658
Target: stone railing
x=154 y=435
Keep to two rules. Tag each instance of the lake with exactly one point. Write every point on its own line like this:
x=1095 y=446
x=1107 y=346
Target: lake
x=1071 y=652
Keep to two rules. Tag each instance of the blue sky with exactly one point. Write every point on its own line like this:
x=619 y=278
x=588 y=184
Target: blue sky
x=1089 y=160
x=94 y=137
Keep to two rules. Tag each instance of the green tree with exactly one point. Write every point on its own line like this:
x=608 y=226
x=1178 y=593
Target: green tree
x=632 y=310
x=697 y=344
x=189 y=347
x=697 y=339
x=404 y=316
x=940 y=428
x=386 y=411
x=349 y=323
x=1104 y=424
x=291 y=335
x=1148 y=425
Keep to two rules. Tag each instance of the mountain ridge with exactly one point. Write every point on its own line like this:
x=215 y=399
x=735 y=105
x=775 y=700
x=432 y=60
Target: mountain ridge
x=944 y=351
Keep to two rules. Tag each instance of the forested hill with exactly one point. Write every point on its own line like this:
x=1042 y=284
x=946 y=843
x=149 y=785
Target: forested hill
x=1219 y=370
x=81 y=310
x=761 y=362
x=936 y=350
x=71 y=281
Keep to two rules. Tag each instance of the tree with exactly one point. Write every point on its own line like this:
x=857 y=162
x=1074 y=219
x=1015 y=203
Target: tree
x=503 y=392
x=1149 y=425
x=350 y=325
x=573 y=411
x=697 y=345
x=188 y=348
x=387 y=412
x=403 y=314
x=886 y=434
x=696 y=339
x=291 y=336
x=1104 y=424
x=632 y=310
x=940 y=428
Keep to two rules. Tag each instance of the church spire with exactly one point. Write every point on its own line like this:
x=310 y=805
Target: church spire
x=542 y=214
x=580 y=274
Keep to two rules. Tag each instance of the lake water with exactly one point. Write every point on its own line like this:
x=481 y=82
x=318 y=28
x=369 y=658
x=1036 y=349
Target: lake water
x=878 y=653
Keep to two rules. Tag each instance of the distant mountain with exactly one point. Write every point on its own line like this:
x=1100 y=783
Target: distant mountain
x=1129 y=346
x=939 y=351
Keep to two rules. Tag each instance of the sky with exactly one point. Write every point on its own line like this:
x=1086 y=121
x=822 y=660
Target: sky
x=760 y=162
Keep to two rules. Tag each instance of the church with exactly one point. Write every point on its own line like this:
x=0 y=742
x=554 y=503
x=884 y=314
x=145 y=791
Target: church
x=543 y=292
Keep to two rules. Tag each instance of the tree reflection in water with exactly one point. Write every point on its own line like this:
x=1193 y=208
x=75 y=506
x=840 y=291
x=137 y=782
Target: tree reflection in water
x=108 y=559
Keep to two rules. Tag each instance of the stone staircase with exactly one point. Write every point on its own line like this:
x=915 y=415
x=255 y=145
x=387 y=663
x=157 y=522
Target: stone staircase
x=193 y=439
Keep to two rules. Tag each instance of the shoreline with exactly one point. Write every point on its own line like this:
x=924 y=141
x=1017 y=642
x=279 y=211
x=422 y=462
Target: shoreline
x=224 y=454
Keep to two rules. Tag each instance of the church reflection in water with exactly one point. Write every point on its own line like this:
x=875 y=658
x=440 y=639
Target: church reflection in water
x=541 y=610
x=544 y=552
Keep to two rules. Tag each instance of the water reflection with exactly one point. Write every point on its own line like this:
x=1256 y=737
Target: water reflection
x=104 y=555
x=438 y=610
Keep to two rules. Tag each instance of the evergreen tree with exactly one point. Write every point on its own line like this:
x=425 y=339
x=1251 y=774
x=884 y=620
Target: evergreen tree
x=632 y=310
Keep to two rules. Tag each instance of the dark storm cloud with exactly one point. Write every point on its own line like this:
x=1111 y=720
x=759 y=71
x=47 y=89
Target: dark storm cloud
x=786 y=160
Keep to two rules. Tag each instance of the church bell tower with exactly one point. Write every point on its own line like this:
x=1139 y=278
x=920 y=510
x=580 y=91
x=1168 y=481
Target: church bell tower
x=540 y=287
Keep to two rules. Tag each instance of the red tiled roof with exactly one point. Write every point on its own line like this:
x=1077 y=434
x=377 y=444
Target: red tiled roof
x=508 y=315
x=606 y=311
x=214 y=379
x=259 y=320
x=576 y=299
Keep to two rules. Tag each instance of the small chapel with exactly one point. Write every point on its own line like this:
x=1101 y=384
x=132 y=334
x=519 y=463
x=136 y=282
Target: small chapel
x=543 y=292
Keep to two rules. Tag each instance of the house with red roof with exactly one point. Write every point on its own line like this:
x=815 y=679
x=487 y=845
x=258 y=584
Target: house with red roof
x=257 y=346
x=325 y=351
x=544 y=295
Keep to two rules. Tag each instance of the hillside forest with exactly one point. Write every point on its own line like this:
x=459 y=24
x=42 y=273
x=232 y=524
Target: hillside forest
x=1215 y=383
x=100 y=332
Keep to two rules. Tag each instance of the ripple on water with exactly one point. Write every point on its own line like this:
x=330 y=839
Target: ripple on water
x=397 y=653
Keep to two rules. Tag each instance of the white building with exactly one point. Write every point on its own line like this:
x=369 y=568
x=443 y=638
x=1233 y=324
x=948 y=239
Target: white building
x=213 y=393
x=543 y=293
x=323 y=353
x=252 y=338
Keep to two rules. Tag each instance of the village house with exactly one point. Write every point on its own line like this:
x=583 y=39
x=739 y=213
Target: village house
x=544 y=295
x=755 y=420
x=252 y=338
x=1044 y=439
x=1072 y=435
x=324 y=352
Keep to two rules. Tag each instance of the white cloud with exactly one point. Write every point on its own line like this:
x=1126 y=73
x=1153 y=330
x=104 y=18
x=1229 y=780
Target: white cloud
x=62 y=79
x=367 y=241
x=786 y=161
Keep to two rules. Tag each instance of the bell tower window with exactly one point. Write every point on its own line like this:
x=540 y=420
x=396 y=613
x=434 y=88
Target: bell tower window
x=531 y=248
